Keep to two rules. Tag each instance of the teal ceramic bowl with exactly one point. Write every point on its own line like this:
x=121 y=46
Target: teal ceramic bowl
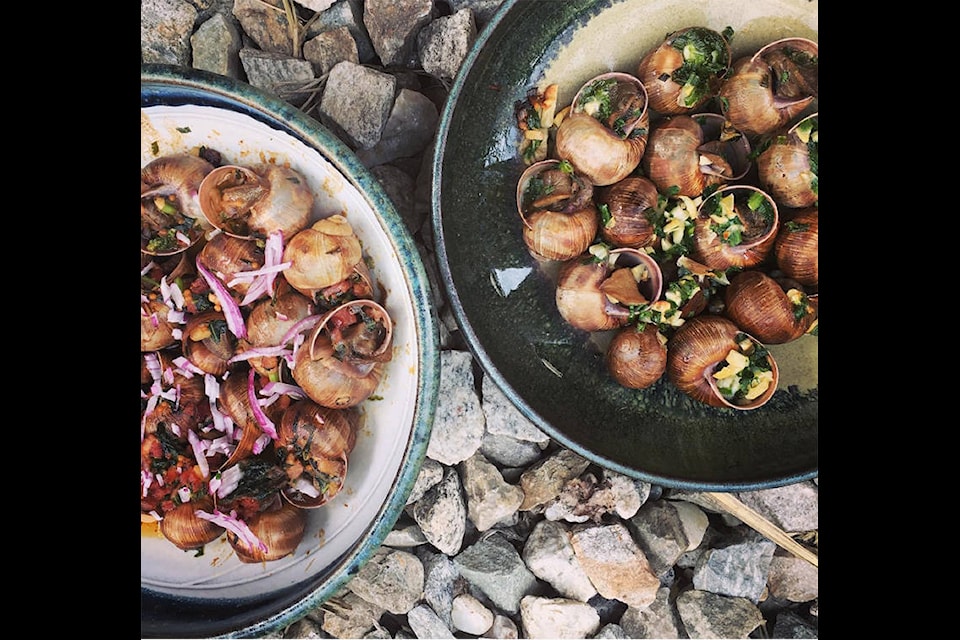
x=186 y=595
x=504 y=300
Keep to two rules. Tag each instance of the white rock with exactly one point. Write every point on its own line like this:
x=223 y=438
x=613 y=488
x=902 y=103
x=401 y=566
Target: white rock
x=558 y=618
x=470 y=616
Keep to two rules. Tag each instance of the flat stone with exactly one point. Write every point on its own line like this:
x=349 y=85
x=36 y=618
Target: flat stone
x=614 y=563
x=356 y=102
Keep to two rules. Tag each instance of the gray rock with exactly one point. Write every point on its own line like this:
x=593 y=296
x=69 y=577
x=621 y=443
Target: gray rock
x=440 y=578
x=349 y=616
x=458 y=423
x=611 y=630
x=791 y=625
x=426 y=624
x=442 y=514
x=659 y=620
x=490 y=499
x=405 y=537
x=356 y=102
x=658 y=528
x=507 y=451
x=288 y=78
x=503 y=417
x=267 y=27
x=393 y=26
x=445 y=42
x=216 y=47
x=328 y=48
x=503 y=628
x=408 y=131
x=793 y=579
x=494 y=566
x=349 y=14
x=392 y=579
x=738 y=569
x=710 y=615
x=431 y=473
x=544 y=481
x=165 y=28
x=793 y=508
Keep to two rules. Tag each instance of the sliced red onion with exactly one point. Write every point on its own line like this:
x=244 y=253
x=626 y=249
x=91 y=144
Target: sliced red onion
x=261 y=443
x=199 y=453
x=282 y=388
x=259 y=352
x=265 y=423
x=146 y=269
x=229 y=479
x=146 y=479
x=230 y=309
x=183 y=238
x=235 y=525
x=152 y=361
x=307 y=323
x=184 y=494
x=186 y=367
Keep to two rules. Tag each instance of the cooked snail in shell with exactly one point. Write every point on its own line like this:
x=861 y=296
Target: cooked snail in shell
x=605 y=133
x=713 y=361
x=736 y=227
x=765 y=91
x=788 y=165
x=257 y=200
x=556 y=207
x=685 y=70
x=771 y=311
x=170 y=217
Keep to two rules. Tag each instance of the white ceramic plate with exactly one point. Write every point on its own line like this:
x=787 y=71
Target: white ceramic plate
x=395 y=424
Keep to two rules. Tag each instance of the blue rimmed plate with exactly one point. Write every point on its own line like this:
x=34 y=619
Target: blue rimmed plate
x=215 y=594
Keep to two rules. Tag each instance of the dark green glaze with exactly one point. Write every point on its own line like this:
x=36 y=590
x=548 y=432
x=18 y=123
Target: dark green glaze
x=657 y=434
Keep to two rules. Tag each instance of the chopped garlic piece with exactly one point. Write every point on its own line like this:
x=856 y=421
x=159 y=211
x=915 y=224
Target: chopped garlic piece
x=795 y=296
x=599 y=251
x=726 y=205
x=673 y=226
x=640 y=273
x=759 y=385
x=736 y=362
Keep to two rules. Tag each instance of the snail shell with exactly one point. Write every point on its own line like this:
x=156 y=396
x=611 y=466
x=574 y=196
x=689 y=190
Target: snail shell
x=760 y=306
x=709 y=62
x=229 y=255
x=698 y=349
x=606 y=151
x=175 y=178
x=185 y=529
x=556 y=207
x=759 y=223
x=341 y=364
x=596 y=295
x=207 y=342
x=322 y=255
x=785 y=168
x=628 y=202
x=692 y=153
x=279 y=530
x=797 y=248
x=314 y=443
x=256 y=200
x=636 y=357
x=754 y=97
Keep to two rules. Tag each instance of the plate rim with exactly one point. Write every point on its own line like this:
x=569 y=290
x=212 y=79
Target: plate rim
x=163 y=84
x=471 y=338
